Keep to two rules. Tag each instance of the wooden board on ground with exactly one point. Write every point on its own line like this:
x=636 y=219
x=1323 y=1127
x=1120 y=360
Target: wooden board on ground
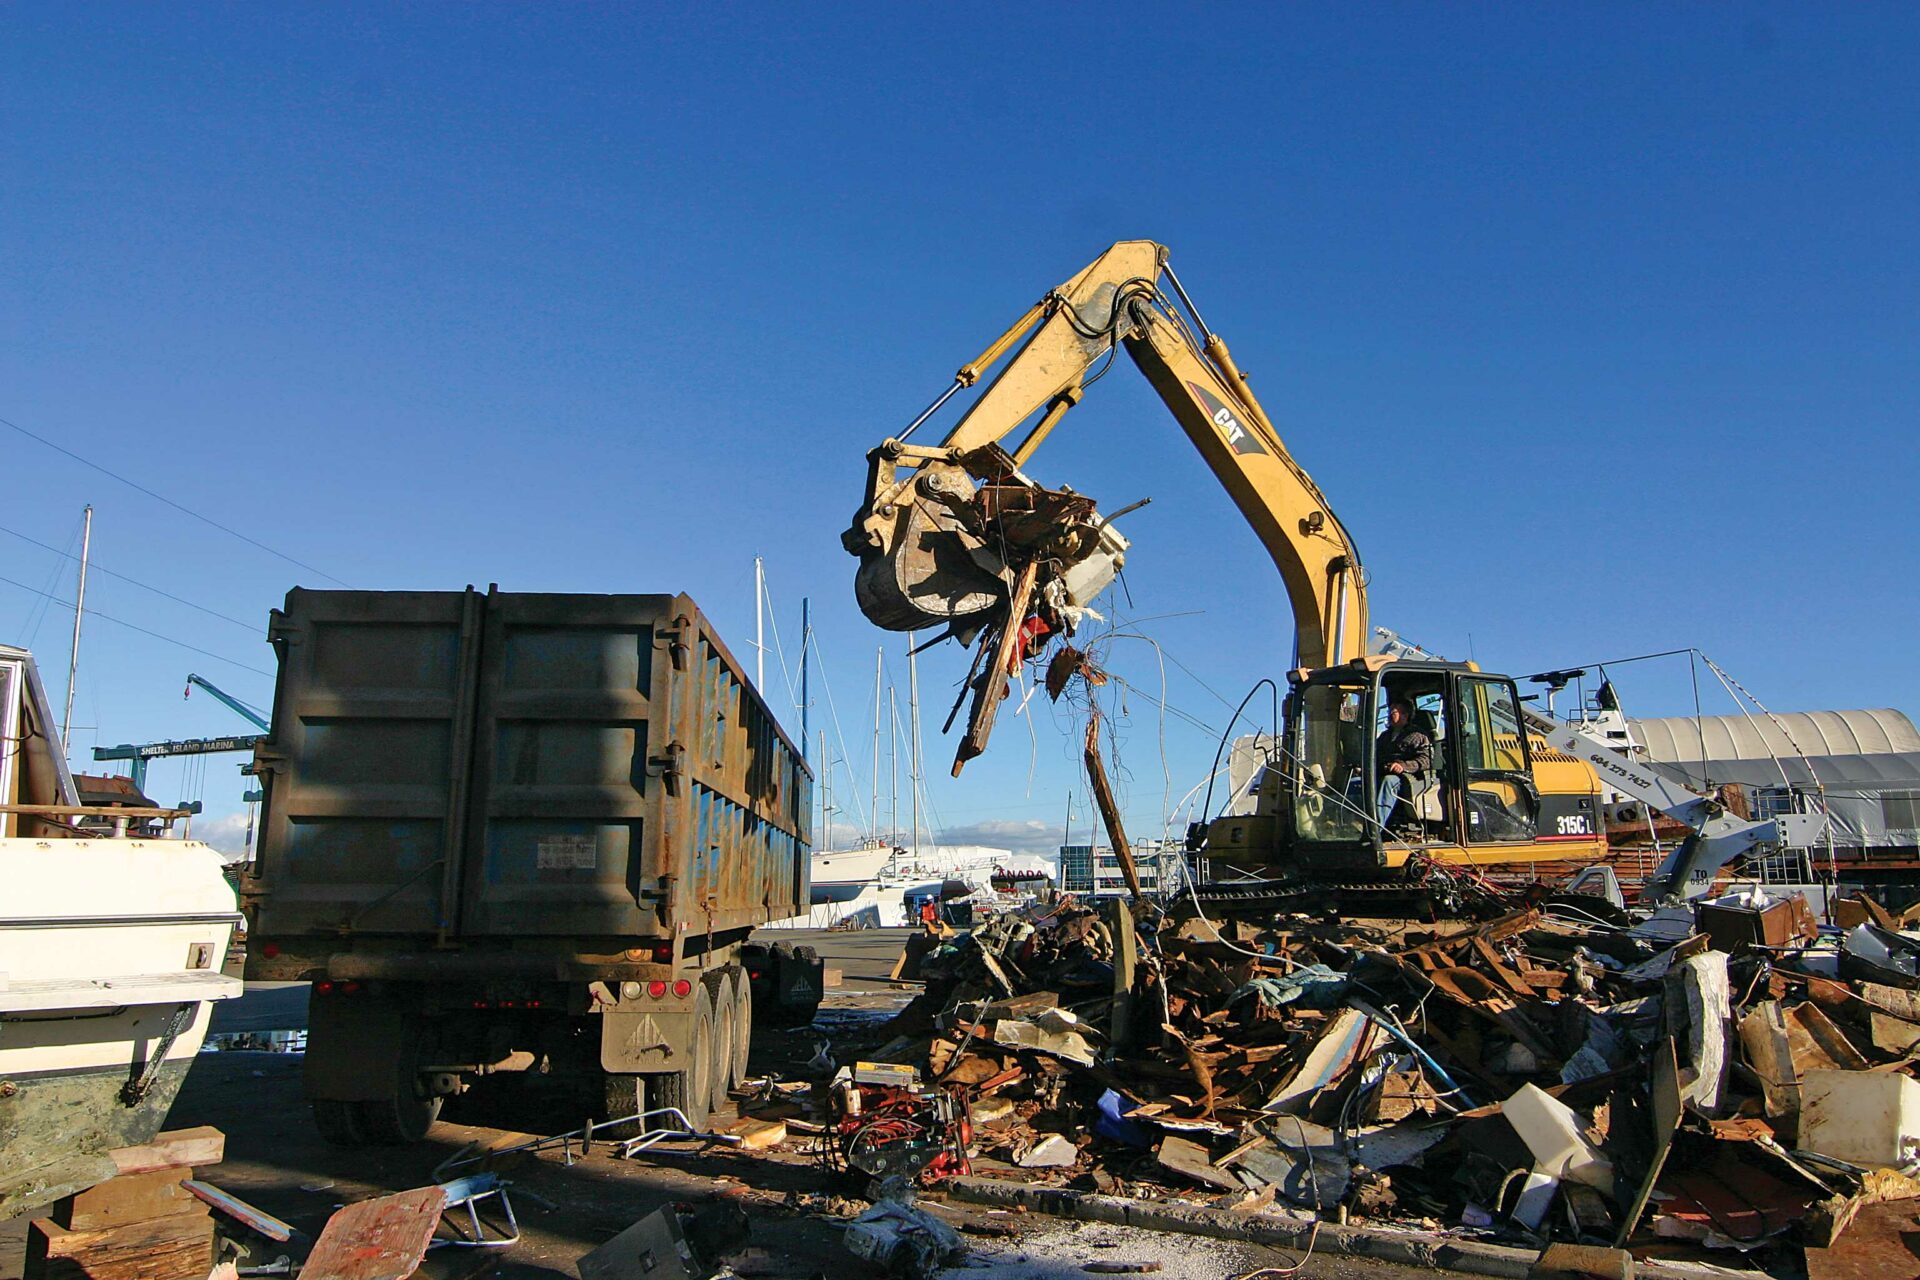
x=239 y=1210
x=383 y=1239
x=1191 y=1159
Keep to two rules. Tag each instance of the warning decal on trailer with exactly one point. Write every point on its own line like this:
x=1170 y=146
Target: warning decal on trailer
x=572 y=853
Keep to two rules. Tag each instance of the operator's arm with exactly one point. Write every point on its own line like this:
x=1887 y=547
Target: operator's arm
x=1412 y=754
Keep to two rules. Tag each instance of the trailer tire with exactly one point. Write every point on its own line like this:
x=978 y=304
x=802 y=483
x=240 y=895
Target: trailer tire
x=690 y=1090
x=338 y=1122
x=726 y=1037
x=623 y=1094
x=400 y=1120
x=743 y=1021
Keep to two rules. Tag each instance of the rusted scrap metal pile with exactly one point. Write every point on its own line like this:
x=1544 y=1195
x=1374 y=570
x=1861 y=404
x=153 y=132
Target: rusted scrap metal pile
x=1725 y=1076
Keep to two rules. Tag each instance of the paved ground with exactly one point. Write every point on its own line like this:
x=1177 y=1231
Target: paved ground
x=277 y=1161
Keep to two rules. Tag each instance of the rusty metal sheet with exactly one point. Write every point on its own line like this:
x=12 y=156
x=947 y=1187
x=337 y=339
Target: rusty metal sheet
x=1882 y=1241
x=1668 y=1108
x=383 y=1239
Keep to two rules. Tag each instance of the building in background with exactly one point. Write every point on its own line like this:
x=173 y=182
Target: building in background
x=1863 y=767
x=1093 y=871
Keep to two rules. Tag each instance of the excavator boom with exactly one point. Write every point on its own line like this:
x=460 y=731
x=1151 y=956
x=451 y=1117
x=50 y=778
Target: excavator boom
x=947 y=530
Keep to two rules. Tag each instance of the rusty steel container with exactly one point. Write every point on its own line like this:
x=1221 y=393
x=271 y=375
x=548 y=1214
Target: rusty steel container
x=459 y=768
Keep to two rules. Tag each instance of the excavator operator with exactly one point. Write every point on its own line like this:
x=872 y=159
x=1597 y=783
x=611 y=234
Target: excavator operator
x=1402 y=751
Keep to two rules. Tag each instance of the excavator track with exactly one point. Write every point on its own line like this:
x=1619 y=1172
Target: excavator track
x=1374 y=899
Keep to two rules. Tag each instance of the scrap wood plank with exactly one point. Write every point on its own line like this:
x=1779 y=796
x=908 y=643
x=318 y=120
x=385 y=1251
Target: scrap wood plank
x=382 y=1239
x=1191 y=1160
x=1007 y=1077
x=757 y=1135
x=177 y=1149
x=239 y=1210
x=171 y=1248
x=131 y=1197
x=1501 y=969
x=1514 y=922
x=994 y=680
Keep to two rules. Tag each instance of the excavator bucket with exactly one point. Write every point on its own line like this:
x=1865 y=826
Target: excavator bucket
x=930 y=570
x=944 y=550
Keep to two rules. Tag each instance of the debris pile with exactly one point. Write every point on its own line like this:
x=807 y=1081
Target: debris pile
x=1727 y=1076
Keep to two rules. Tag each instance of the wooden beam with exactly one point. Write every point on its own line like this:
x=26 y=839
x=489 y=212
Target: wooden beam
x=175 y=1149
x=1109 y=811
x=993 y=681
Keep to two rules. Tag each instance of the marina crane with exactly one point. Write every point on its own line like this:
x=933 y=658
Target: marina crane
x=239 y=708
x=139 y=754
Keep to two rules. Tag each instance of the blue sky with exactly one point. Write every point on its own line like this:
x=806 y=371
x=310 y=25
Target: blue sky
x=1598 y=326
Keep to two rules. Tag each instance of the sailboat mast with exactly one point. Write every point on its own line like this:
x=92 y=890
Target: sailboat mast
x=893 y=766
x=806 y=647
x=913 y=715
x=759 y=626
x=873 y=809
x=79 y=609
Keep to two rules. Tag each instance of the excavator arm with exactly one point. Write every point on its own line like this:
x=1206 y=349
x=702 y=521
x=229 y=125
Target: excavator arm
x=957 y=536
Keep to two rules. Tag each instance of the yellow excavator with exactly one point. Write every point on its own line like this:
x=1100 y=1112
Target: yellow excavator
x=956 y=536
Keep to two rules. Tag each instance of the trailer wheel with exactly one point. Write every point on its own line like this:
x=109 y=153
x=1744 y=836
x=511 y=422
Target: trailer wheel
x=399 y=1120
x=743 y=1025
x=337 y=1122
x=726 y=1037
x=624 y=1094
x=691 y=1089
x=404 y=1114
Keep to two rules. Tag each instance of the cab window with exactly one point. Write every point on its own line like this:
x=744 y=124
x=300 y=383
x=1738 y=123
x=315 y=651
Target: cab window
x=1329 y=742
x=1501 y=804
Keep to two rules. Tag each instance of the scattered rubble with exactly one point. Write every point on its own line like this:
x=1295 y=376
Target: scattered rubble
x=1540 y=1089
x=1727 y=1078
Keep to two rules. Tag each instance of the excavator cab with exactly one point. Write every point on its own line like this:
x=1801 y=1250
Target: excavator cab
x=1341 y=811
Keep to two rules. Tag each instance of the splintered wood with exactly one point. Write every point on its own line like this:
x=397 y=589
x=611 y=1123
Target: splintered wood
x=992 y=687
x=1109 y=810
x=142 y=1225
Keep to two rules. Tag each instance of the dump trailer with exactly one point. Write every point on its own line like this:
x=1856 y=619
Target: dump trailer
x=524 y=832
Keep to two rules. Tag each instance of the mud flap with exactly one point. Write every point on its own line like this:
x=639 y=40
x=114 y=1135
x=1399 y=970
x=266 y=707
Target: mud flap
x=645 y=1041
x=355 y=1044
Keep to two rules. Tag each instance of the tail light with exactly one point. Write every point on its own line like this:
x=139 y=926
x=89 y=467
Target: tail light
x=323 y=987
x=657 y=989
x=682 y=988
x=271 y=950
x=663 y=953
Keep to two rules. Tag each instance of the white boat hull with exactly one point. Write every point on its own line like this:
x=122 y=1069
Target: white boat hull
x=841 y=875
x=110 y=956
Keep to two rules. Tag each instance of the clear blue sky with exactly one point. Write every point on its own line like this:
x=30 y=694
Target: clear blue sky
x=1597 y=325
